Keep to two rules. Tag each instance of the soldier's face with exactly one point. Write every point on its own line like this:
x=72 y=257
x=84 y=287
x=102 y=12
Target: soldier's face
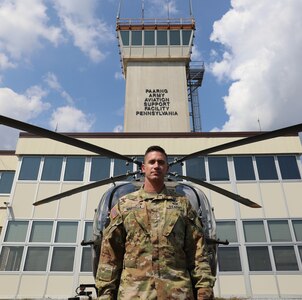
x=155 y=166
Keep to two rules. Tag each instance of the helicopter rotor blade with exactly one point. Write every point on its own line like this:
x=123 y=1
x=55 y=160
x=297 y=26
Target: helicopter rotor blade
x=63 y=138
x=245 y=141
x=84 y=188
x=219 y=190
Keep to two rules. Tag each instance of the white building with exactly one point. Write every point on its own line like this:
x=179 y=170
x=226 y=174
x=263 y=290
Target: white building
x=40 y=252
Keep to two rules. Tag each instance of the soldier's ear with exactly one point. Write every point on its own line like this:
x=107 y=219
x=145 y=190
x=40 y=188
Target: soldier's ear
x=143 y=168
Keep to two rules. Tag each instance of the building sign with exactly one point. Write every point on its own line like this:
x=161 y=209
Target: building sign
x=157 y=103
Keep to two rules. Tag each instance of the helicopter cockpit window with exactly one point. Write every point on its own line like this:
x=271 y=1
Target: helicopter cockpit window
x=196 y=168
x=100 y=168
x=52 y=168
x=74 y=170
x=30 y=168
x=218 y=168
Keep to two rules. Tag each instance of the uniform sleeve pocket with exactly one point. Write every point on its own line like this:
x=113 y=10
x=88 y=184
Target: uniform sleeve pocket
x=105 y=272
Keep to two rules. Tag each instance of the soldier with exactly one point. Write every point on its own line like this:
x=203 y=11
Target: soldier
x=154 y=246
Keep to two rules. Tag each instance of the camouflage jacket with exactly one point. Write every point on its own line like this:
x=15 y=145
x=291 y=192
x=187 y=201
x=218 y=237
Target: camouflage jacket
x=153 y=248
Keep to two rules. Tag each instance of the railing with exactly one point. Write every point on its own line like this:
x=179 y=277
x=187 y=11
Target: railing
x=156 y=21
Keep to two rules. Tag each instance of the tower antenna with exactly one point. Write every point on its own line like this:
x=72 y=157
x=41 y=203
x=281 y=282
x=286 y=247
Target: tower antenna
x=119 y=9
x=143 y=9
x=191 y=8
x=168 y=8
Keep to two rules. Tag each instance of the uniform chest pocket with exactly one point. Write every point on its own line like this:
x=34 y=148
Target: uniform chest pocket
x=174 y=226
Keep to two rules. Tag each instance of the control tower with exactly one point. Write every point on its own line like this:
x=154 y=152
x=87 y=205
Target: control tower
x=155 y=55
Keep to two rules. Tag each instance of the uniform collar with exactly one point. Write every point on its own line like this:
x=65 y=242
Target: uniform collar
x=164 y=194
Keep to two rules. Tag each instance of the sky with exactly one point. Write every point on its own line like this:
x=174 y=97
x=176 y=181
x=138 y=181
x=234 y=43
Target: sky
x=60 y=67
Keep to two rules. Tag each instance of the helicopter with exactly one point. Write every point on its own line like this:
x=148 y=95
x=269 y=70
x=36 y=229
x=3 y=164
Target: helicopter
x=183 y=185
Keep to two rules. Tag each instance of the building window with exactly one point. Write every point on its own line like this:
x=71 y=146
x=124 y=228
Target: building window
x=244 y=169
x=125 y=37
x=176 y=168
x=136 y=38
x=10 y=258
x=66 y=232
x=121 y=167
x=41 y=232
x=16 y=231
x=6 y=181
x=30 y=168
x=162 y=38
x=258 y=258
x=186 y=37
x=266 y=168
x=74 y=170
x=288 y=167
x=100 y=168
x=88 y=231
x=174 y=37
x=300 y=252
x=285 y=258
x=297 y=224
x=226 y=230
x=86 y=262
x=149 y=37
x=62 y=259
x=279 y=231
x=36 y=259
x=229 y=259
x=195 y=167
x=218 y=168
x=52 y=168
x=254 y=231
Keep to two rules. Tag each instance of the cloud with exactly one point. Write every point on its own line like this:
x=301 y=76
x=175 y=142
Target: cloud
x=162 y=7
x=23 y=107
x=118 y=75
x=23 y=26
x=69 y=119
x=53 y=82
x=262 y=60
x=118 y=128
x=89 y=33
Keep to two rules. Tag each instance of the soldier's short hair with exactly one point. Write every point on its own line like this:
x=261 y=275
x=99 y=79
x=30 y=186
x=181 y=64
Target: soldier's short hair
x=157 y=149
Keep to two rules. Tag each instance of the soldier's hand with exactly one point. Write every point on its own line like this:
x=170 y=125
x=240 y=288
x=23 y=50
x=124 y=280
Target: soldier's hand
x=205 y=294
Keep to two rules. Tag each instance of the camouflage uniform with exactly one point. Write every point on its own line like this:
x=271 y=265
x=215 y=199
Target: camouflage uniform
x=153 y=248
